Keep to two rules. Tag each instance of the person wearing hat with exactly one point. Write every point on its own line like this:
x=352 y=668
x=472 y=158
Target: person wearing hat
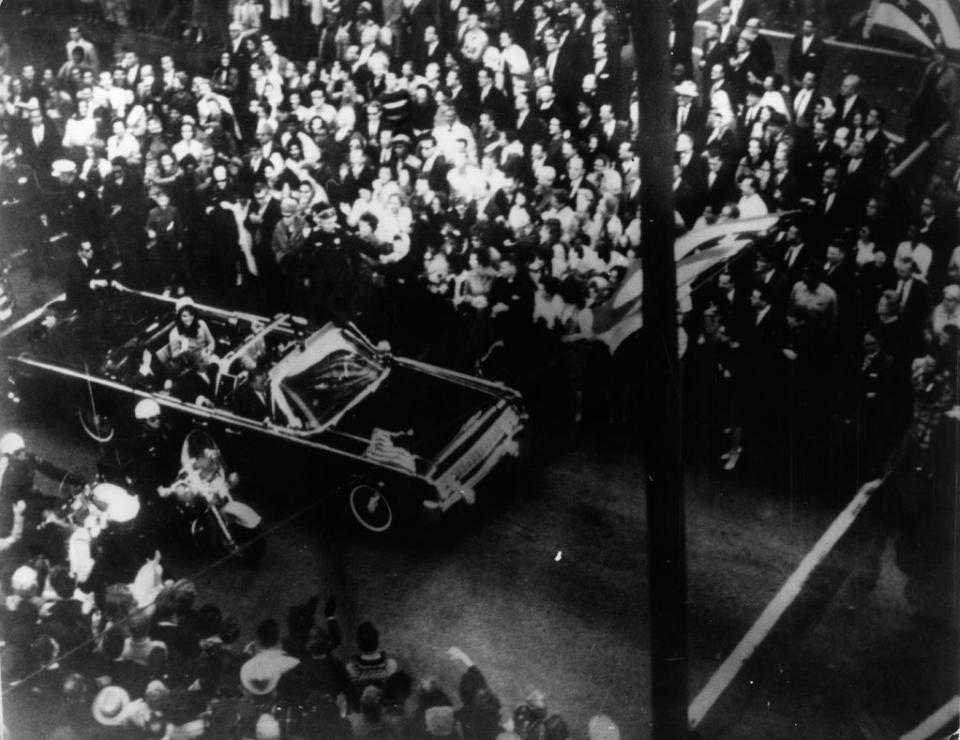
x=111 y=706
x=601 y=727
x=19 y=467
x=689 y=115
x=261 y=674
x=75 y=206
x=20 y=190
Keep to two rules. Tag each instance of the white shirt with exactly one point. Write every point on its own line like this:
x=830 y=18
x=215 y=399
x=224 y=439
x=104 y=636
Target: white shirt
x=752 y=206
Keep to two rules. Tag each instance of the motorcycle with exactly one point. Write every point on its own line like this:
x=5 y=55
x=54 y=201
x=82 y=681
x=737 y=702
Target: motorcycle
x=203 y=490
x=75 y=526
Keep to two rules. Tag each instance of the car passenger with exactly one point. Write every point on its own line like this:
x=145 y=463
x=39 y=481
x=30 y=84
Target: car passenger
x=190 y=339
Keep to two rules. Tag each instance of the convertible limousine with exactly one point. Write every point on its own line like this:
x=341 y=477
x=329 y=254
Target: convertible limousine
x=395 y=436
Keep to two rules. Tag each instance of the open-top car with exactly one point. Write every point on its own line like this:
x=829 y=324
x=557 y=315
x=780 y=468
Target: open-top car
x=394 y=435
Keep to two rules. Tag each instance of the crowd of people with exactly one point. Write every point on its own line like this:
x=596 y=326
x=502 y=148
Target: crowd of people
x=462 y=178
x=144 y=660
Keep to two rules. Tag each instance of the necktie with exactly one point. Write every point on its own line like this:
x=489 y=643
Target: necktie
x=681 y=118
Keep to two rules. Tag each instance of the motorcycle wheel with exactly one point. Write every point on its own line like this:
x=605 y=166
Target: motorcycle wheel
x=250 y=542
x=96 y=427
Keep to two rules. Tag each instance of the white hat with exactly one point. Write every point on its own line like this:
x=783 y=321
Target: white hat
x=116 y=503
x=110 y=706
x=146 y=408
x=260 y=674
x=267 y=728
x=602 y=727
x=11 y=442
x=24 y=578
x=63 y=167
x=687 y=88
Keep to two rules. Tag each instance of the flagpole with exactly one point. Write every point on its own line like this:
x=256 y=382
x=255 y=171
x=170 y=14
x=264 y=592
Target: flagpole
x=666 y=529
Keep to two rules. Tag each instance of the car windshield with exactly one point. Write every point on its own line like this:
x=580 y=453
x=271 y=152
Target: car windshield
x=326 y=388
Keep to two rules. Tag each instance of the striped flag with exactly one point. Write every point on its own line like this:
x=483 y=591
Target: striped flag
x=931 y=23
x=696 y=253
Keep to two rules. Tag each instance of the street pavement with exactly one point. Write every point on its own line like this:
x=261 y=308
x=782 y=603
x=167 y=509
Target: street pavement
x=544 y=585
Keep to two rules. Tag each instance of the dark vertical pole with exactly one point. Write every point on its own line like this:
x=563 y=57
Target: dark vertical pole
x=666 y=545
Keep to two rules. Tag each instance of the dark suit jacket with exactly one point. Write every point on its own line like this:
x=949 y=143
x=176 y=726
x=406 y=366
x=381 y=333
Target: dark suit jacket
x=723 y=190
x=915 y=310
x=41 y=156
x=800 y=62
x=77 y=284
x=610 y=144
x=248 y=404
x=859 y=105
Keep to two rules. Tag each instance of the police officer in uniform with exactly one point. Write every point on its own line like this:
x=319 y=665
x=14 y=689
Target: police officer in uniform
x=337 y=286
x=75 y=206
x=21 y=209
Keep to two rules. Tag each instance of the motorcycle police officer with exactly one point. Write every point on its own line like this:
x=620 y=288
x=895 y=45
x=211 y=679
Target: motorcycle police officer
x=19 y=467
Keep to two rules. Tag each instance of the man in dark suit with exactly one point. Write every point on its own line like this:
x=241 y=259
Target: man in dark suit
x=520 y=21
x=529 y=126
x=82 y=279
x=604 y=71
x=712 y=51
x=816 y=154
x=415 y=18
x=492 y=98
x=807 y=53
x=40 y=142
x=612 y=131
x=721 y=187
x=261 y=221
x=784 y=188
x=772 y=277
x=849 y=102
x=760 y=47
x=875 y=139
x=729 y=33
x=914 y=296
x=252 y=399
x=805 y=99
x=586 y=124
x=434 y=166
x=686 y=202
x=562 y=65
x=429 y=49
x=689 y=115
x=857 y=178
x=796 y=254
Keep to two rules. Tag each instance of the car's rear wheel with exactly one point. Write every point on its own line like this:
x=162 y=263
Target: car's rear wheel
x=370 y=507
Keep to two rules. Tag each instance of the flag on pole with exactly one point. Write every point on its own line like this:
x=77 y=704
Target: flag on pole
x=696 y=253
x=930 y=23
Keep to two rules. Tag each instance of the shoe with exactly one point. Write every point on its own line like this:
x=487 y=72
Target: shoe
x=733 y=459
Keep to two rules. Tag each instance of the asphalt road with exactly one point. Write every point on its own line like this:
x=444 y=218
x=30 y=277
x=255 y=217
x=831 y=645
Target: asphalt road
x=544 y=584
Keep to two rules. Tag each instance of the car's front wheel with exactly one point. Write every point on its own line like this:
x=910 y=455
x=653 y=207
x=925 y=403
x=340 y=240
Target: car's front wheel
x=370 y=507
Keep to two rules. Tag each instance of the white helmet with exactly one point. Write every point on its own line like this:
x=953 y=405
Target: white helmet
x=146 y=409
x=11 y=442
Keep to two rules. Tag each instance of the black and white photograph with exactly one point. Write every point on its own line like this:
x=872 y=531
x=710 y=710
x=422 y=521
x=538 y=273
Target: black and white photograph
x=479 y=369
